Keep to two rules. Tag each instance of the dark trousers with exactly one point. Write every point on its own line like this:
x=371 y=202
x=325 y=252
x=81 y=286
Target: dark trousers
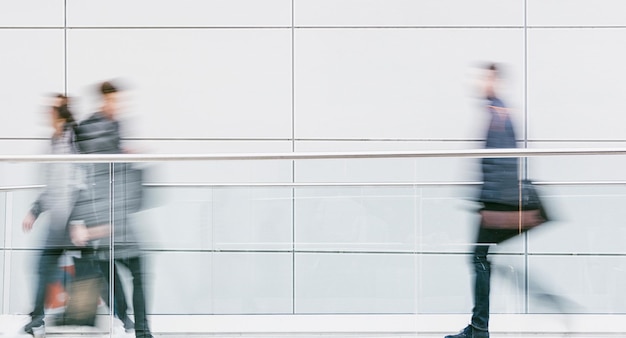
x=119 y=295
x=47 y=270
x=134 y=265
x=482 y=270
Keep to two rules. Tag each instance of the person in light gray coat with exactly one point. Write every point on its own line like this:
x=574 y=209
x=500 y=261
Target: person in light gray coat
x=63 y=181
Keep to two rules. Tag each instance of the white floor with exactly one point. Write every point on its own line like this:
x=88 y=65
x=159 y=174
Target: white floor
x=324 y=335
x=345 y=326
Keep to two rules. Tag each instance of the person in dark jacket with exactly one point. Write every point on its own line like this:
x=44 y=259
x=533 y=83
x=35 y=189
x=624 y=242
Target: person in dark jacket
x=63 y=181
x=499 y=192
x=107 y=223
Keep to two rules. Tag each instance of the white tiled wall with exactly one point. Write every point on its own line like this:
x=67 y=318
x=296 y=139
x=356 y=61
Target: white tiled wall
x=185 y=13
x=192 y=83
x=31 y=66
x=555 y=13
x=397 y=83
x=575 y=83
x=32 y=13
x=382 y=13
x=255 y=76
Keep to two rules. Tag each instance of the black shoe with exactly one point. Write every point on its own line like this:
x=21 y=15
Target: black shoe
x=36 y=325
x=129 y=326
x=145 y=335
x=470 y=332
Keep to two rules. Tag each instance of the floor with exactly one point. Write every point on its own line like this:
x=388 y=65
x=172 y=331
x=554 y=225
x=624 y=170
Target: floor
x=12 y=329
x=83 y=334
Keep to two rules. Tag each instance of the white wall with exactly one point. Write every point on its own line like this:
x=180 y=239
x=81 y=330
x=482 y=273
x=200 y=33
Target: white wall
x=206 y=76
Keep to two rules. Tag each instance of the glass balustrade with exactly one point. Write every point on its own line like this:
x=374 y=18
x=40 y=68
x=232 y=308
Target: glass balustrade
x=345 y=238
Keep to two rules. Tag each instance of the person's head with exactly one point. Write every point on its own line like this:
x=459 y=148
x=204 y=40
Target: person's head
x=64 y=114
x=58 y=100
x=60 y=114
x=491 y=78
x=109 y=94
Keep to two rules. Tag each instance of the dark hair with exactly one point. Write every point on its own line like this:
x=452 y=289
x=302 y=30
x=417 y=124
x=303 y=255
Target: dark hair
x=107 y=88
x=63 y=110
x=64 y=99
x=496 y=68
x=64 y=113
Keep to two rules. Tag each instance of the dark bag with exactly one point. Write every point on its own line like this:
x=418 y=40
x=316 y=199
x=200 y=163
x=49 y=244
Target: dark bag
x=529 y=198
x=514 y=220
x=83 y=294
x=529 y=214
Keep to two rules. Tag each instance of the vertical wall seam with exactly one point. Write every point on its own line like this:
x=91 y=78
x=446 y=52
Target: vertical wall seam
x=65 y=46
x=525 y=95
x=8 y=243
x=417 y=219
x=293 y=164
x=212 y=253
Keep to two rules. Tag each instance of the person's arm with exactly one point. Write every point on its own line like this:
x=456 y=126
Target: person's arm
x=34 y=212
x=81 y=235
x=28 y=222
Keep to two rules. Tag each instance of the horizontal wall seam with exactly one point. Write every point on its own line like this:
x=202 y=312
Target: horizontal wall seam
x=330 y=139
x=335 y=184
x=357 y=252
x=304 y=27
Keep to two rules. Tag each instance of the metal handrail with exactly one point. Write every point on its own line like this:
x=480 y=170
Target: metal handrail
x=465 y=153
x=425 y=184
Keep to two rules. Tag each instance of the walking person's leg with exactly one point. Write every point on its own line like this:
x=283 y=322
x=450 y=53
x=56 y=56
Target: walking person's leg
x=46 y=270
x=134 y=264
x=139 y=298
x=479 y=325
x=120 y=305
x=482 y=287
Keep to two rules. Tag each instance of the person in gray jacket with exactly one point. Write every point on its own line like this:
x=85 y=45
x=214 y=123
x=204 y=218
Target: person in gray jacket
x=63 y=182
x=106 y=208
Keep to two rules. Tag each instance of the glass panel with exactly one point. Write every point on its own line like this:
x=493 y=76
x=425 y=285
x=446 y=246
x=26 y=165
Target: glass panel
x=22 y=280
x=176 y=218
x=219 y=283
x=445 y=284
x=429 y=219
x=39 y=258
x=356 y=218
x=3 y=274
x=3 y=216
x=252 y=283
x=180 y=282
x=586 y=221
x=355 y=283
x=252 y=218
x=326 y=249
x=449 y=220
x=22 y=201
x=577 y=284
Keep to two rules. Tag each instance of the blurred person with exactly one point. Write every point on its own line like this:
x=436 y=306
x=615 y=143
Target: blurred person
x=100 y=134
x=510 y=207
x=500 y=186
x=62 y=186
